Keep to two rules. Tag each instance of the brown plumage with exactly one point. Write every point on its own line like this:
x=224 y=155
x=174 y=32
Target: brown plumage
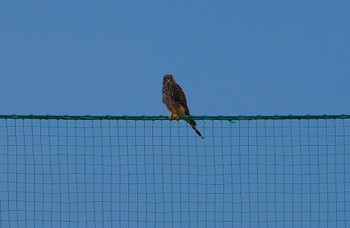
x=174 y=99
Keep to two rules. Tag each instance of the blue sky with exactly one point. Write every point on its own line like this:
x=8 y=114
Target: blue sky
x=230 y=57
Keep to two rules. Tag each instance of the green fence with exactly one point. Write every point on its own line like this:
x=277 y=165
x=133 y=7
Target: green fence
x=145 y=171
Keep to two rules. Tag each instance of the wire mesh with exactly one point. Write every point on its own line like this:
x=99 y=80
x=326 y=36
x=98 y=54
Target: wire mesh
x=140 y=172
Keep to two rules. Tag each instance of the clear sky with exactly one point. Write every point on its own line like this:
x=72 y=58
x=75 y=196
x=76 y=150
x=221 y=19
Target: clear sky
x=230 y=57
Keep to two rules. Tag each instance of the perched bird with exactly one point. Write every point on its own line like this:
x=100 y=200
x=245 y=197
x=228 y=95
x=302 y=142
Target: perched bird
x=174 y=99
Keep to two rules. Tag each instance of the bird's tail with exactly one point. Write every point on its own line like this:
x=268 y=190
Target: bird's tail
x=193 y=125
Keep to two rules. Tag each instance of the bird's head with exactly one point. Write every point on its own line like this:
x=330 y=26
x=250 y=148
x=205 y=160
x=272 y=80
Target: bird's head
x=168 y=78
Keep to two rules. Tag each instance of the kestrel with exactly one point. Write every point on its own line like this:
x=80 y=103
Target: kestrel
x=174 y=99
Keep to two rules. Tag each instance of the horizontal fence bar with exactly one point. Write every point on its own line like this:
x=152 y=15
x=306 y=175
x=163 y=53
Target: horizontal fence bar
x=229 y=118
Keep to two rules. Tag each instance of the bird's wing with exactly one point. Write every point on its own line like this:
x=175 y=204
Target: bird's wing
x=180 y=97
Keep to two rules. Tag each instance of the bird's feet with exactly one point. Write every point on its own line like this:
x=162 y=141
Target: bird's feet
x=174 y=117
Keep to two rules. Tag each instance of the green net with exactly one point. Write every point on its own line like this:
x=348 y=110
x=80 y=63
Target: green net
x=142 y=171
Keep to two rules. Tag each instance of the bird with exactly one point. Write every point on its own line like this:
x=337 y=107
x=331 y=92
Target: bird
x=174 y=99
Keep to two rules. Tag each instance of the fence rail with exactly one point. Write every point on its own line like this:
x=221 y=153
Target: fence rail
x=220 y=117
